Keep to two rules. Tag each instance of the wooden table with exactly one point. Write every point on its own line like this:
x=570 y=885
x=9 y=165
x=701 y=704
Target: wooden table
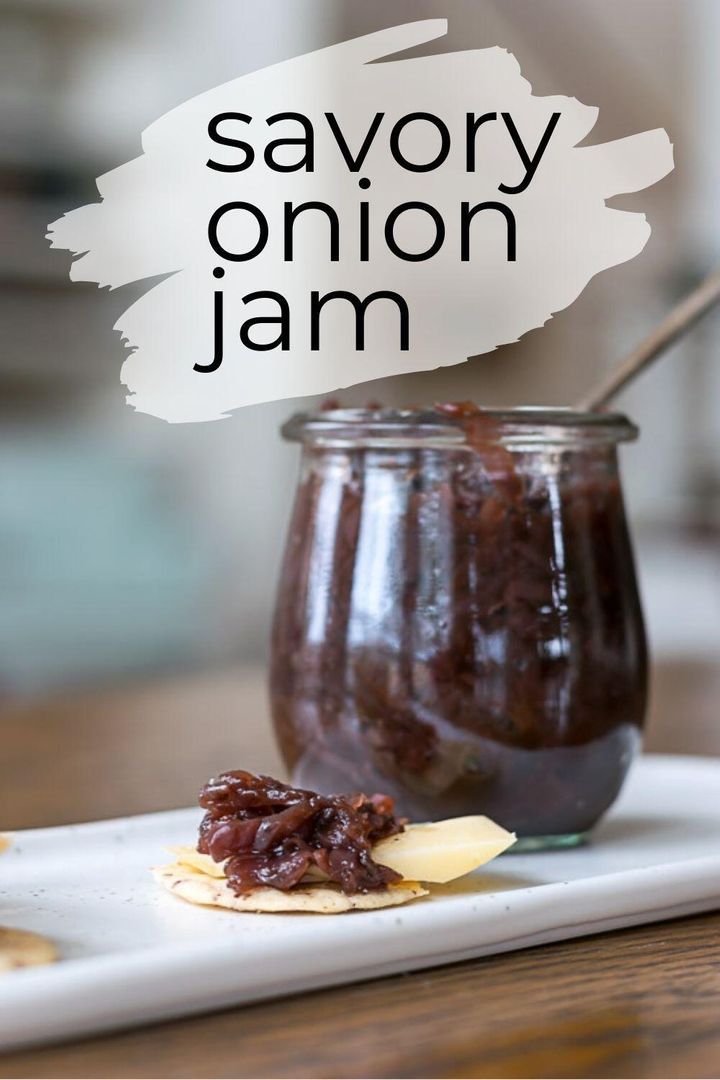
x=636 y=1003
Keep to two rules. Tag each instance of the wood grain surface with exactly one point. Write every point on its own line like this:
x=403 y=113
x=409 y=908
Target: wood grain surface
x=83 y=755
x=636 y=1003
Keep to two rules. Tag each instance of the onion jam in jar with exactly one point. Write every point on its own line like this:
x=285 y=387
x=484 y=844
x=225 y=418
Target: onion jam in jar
x=458 y=622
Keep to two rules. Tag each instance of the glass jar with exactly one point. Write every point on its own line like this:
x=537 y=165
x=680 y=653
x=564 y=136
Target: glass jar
x=458 y=622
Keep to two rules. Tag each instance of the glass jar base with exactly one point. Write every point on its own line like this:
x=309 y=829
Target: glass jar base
x=547 y=843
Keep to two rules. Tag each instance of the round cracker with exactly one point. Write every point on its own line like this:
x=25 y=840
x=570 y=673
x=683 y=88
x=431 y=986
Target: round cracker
x=200 y=888
x=22 y=948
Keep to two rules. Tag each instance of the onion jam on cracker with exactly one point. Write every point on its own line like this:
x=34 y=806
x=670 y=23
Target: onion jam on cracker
x=265 y=846
x=273 y=834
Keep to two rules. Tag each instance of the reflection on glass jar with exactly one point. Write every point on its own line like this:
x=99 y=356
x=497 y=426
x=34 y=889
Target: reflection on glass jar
x=457 y=622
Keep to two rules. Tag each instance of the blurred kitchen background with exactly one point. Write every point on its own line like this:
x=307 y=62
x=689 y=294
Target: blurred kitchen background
x=132 y=550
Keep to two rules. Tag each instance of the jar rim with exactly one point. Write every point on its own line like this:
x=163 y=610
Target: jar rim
x=519 y=426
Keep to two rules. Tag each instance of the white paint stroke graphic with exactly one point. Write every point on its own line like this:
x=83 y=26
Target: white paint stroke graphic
x=154 y=214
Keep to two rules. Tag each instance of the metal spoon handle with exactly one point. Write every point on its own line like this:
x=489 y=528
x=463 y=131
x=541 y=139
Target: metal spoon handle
x=673 y=326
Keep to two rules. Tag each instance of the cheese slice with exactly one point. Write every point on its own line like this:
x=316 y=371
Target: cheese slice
x=190 y=856
x=435 y=851
x=440 y=851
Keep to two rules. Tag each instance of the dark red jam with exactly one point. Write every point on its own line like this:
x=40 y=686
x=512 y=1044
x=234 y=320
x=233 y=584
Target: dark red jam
x=272 y=834
x=458 y=620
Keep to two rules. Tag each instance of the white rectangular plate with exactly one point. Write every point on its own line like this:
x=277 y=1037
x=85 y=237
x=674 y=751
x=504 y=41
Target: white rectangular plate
x=132 y=953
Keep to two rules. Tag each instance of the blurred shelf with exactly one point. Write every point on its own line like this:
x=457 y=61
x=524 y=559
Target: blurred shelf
x=680 y=588
x=26 y=259
x=94 y=8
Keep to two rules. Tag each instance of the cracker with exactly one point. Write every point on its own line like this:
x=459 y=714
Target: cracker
x=200 y=888
x=21 y=948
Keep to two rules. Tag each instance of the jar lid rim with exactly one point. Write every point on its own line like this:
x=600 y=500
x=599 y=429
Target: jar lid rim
x=523 y=421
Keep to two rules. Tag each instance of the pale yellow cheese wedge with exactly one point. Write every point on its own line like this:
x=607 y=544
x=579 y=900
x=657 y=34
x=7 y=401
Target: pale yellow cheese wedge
x=190 y=856
x=440 y=851
x=435 y=851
